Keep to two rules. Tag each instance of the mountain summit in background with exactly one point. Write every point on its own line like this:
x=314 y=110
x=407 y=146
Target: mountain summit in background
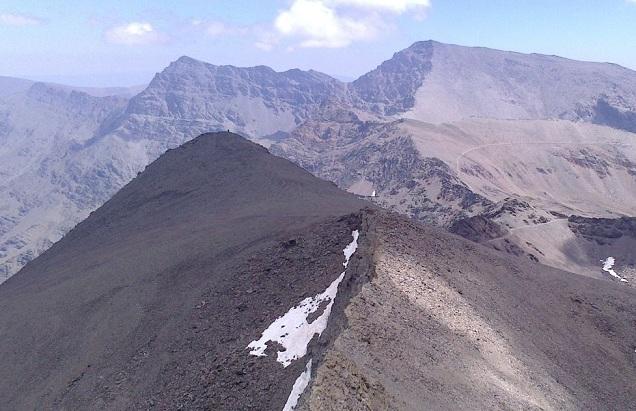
x=382 y=127
x=436 y=82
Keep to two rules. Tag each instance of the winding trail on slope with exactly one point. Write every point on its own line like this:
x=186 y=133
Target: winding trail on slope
x=547 y=143
x=526 y=227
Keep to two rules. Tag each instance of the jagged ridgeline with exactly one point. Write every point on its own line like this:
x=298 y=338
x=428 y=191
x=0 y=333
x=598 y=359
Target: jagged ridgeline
x=74 y=148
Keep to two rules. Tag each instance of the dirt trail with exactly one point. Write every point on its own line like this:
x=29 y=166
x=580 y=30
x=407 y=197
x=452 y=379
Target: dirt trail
x=546 y=143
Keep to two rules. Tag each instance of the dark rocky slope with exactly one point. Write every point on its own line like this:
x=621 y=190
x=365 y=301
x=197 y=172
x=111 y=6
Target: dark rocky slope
x=151 y=301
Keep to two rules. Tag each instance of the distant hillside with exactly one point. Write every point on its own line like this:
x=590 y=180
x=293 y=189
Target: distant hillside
x=72 y=158
x=437 y=82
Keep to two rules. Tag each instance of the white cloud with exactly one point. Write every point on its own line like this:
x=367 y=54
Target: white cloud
x=337 y=23
x=267 y=40
x=18 y=20
x=218 y=28
x=320 y=26
x=394 y=6
x=135 y=33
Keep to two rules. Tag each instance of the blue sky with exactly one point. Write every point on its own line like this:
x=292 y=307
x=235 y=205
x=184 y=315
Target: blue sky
x=125 y=42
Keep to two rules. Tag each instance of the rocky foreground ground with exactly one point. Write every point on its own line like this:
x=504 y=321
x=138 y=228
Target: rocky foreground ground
x=215 y=280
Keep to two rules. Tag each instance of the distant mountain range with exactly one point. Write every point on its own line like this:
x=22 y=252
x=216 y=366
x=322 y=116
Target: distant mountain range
x=429 y=131
x=12 y=85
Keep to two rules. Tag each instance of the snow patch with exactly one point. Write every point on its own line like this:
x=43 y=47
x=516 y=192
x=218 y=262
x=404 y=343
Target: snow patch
x=608 y=265
x=350 y=248
x=293 y=331
x=299 y=387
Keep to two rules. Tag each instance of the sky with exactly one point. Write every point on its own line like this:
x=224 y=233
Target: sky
x=125 y=42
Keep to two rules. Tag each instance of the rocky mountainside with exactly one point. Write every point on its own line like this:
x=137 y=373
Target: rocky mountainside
x=379 y=133
x=437 y=82
x=256 y=101
x=65 y=152
x=225 y=278
x=460 y=131
x=382 y=160
x=422 y=169
x=525 y=176
x=39 y=127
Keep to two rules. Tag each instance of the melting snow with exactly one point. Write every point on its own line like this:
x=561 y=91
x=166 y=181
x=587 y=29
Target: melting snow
x=299 y=388
x=608 y=265
x=292 y=330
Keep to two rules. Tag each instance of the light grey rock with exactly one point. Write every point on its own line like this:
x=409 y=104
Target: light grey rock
x=437 y=82
x=65 y=152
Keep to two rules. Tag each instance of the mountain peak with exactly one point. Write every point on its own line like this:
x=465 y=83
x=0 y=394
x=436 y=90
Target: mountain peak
x=218 y=171
x=188 y=60
x=222 y=143
x=424 y=44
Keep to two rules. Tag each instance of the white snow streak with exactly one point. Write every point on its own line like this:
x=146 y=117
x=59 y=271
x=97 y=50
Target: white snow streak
x=292 y=330
x=373 y=194
x=350 y=248
x=608 y=265
x=299 y=387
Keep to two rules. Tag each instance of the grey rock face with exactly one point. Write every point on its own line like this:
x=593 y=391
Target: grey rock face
x=40 y=128
x=437 y=82
x=368 y=157
x=614 y=116
x=65 y=152
x=604 y=228
x=390 y=89
x=256 y=101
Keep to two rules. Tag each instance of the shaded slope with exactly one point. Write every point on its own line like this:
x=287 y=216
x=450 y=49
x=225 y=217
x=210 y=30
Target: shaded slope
x=153 y=299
